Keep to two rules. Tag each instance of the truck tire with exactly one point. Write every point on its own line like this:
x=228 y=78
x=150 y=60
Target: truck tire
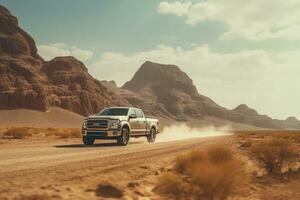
x=152 y=136
x=87 y=140
x=123 y=139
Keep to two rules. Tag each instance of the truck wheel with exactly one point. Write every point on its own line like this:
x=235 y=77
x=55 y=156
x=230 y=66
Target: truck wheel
x=152 y=136
x=124 y=138
x=87 y=140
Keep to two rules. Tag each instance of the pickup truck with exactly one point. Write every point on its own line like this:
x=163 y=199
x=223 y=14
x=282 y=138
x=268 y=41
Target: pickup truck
x=119 y=123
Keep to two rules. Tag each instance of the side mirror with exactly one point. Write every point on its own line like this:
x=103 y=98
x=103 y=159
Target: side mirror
x=132 y=116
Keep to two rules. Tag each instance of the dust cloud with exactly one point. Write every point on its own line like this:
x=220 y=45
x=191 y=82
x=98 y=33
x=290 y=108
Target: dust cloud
x=182 y=131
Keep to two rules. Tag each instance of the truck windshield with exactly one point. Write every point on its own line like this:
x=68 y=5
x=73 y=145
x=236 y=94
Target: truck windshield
x=114 y=112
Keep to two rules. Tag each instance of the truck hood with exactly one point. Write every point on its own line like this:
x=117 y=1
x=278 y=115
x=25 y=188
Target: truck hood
x=121 y=118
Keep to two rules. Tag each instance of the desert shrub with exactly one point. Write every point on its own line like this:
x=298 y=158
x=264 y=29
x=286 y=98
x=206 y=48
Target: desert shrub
x=68 y=133
x=48 y=133
x=63 y=133
x=295 y=137
x=247 y=143
x=17 y=132
x=211 y=174
x=50 y=129
x=274 y=154
x=109 y=190
x=171 y=185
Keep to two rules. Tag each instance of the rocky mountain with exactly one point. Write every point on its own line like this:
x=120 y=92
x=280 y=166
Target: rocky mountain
x=244 y=114
x=166 y=91
x=170 y=91
x=27 y=81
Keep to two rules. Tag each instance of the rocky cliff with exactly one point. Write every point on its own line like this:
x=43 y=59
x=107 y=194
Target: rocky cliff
x=27 y=81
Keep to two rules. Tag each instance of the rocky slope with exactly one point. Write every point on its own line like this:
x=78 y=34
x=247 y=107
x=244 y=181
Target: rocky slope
x=244 y=114
x=166 y=91
x=171 y=91
x=27 y=81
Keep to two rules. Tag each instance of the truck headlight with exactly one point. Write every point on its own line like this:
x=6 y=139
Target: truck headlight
x=84 y=125
x=115 y=124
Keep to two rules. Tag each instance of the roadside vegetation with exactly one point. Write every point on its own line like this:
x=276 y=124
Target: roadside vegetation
x=278 y=153
x=26 y=132
x=214 y=173
x=255 y=162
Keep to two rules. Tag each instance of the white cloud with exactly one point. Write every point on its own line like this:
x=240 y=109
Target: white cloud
x=253 y=20
x=50 y=51
x=265 y=80
x=177 y=8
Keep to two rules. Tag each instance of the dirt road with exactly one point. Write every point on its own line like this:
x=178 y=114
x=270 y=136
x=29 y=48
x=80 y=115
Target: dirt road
x=69 y=170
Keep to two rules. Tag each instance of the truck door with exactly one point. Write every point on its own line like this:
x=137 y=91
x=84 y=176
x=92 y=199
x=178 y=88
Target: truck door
x=133 y=121
x=141 y=121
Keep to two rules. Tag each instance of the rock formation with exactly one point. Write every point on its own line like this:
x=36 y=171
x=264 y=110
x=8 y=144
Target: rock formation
x=27 y=81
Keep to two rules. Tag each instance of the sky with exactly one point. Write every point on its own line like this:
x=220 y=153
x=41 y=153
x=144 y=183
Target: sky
x=235 y=51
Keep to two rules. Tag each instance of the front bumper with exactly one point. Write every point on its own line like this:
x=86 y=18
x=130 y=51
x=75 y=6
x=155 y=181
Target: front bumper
x=101 y=134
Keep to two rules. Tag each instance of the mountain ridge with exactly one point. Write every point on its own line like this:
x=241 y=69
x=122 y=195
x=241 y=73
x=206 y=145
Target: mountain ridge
x=162 y=90
x=177 y=95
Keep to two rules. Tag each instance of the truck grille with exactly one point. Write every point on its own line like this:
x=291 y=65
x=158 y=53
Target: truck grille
x=97 y=123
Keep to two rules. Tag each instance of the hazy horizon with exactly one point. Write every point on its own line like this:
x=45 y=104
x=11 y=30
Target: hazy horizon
x=235 y=52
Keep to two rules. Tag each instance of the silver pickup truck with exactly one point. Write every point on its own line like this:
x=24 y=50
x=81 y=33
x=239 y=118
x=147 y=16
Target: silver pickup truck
x=119 y=123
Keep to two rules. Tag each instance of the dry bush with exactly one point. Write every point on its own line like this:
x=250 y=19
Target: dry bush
x=275 y=154
x=109 y=190
x=34 y=131
x=171 y=185
x=293 y=136
x=247 y=143
x=210 y=174
x=17 y=133
x=63 y=133
x=2 y=130
x=67 y=133
x=241 y=135
x=23 y=132
x=50 y=129
x=296 y=137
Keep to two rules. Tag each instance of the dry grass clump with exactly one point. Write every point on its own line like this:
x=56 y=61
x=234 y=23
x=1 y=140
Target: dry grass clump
x=275 y=154
x=69 y=133
x=17 y=133
x=292 y=136
x=64 y=133
x=247 y=143
x=211 y=174
x=24 y=132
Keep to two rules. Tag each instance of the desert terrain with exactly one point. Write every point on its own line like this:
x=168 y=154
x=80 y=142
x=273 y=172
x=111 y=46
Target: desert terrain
x=66 y=169
x=59 y=167
x=204 y=151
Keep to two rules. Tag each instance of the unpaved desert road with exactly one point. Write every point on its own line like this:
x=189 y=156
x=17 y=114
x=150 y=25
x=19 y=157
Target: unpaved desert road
x=73 y=171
